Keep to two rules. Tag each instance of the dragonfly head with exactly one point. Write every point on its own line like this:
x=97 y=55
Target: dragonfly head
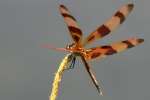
x=78 y=50
x=70 y=46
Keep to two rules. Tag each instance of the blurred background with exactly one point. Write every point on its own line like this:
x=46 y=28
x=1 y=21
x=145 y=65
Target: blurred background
x=27 y=70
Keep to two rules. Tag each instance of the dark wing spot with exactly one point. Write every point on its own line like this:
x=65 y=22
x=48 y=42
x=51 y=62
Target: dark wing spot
x=140 y=40
x=94 y=55
x=110 y=52
x=121 y=16
x=75 y=30
x=109 y=49
x=106 y=47
x=91 y=38
x=67 y=15
x=129 y=44
x=76 y=38
x=103 y=30
x=130 y=6
x=62 y=6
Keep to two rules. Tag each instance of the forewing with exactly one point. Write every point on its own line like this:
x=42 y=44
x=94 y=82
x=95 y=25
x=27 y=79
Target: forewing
x=92 y=76
x=71 y=22
x=117 y=19
x=114 y=48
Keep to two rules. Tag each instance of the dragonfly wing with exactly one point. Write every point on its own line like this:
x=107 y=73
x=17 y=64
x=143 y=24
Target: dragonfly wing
x=117 y=19
x=114 y=48
x=71 y=22
x=92 y=76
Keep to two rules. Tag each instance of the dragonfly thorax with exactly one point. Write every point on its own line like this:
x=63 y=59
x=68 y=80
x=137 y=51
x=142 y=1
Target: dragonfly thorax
x=75 y=48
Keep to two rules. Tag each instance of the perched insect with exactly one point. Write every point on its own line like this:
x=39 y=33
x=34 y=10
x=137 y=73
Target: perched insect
x=77 y=48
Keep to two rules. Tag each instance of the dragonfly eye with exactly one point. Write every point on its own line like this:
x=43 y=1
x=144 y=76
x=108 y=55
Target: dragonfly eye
x=70 y=46
x=67 y=47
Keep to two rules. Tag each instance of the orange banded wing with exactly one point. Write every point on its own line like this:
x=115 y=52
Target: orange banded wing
x=71 y=22
x=107 y=50
x=92 y=76
x=117 y=19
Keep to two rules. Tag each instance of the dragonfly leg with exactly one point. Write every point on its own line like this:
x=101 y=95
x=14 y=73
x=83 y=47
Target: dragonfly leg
x=72 y=64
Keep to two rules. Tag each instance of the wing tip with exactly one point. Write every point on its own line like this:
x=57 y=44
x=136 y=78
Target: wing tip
x=130 y=6
x=63 y=6
x=140 y=40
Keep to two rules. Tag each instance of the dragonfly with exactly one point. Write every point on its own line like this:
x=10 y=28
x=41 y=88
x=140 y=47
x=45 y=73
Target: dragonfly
x=77 y=49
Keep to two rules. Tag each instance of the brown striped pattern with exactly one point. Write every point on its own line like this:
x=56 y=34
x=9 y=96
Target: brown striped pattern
x=64 y=7
x=103 y=30
x=71 y=22
x=117 y=19
x=75 y=30
x=109 y=51
x=114 y=48
x=66 y=15
x=128 y=43
x=121 y=16
x=95 y=54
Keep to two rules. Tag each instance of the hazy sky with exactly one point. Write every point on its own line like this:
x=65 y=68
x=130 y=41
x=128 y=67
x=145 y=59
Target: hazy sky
x=27 y=70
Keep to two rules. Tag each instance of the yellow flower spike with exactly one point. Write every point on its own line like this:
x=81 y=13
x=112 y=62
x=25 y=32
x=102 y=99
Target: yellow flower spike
x=58 y=76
